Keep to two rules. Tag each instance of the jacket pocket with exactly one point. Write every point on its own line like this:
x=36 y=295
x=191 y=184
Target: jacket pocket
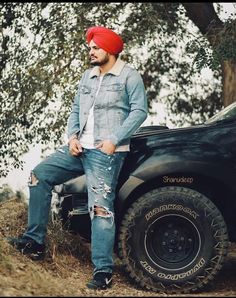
x=115 y=87
x=85 y=89
x=114 y=93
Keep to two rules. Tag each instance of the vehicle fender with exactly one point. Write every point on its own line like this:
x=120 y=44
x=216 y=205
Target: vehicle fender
x=161 y=166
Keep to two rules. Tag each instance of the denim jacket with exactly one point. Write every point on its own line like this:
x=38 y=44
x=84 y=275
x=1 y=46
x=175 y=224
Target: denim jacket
x=120 y=106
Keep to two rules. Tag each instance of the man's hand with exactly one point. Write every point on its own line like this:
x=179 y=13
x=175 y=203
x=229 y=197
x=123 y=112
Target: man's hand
x=107 y=147
x=75 y=147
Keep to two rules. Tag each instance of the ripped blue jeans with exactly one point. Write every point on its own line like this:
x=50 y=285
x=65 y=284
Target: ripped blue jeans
x=102 y=171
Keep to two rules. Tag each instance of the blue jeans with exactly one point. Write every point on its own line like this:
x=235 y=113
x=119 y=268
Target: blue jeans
x=102 y=171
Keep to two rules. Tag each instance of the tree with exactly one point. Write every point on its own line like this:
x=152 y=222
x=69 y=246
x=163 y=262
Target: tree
x=44 y=54
x=6 y=193
x=222 y=38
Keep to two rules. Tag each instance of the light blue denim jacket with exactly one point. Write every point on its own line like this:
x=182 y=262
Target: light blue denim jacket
x=120 y=106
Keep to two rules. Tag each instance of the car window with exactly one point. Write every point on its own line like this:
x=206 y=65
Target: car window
x=227 y=113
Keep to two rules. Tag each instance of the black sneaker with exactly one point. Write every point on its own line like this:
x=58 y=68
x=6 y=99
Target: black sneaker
x=28 y=246
x=100 y=281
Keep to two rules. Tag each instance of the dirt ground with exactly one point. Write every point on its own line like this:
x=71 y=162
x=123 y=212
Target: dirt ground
x=67 y=266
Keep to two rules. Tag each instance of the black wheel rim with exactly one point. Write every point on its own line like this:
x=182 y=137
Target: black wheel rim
x=172 y=242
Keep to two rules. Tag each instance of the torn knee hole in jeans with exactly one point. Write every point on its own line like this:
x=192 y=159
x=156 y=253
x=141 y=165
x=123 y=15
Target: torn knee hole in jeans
x=101 y=211
x=33 y=180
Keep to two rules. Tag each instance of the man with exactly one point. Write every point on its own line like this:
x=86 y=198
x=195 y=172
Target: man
x=108 y=108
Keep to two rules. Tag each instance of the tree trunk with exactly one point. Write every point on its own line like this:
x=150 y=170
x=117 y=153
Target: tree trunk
x=229 y=81
x=203 y=15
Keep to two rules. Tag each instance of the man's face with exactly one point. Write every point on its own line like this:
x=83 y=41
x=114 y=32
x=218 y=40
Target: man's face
x=97 y=55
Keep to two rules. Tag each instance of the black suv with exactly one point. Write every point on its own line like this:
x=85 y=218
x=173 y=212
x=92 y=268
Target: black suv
x=175 y=204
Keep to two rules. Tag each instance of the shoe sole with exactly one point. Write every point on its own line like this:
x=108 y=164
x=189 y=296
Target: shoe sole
x=35 y=257
x=93 y=286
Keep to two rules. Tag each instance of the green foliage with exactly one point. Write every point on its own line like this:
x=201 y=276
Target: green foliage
x=20 y=196
x=224 y=47
x=43 y=54
x=6 y=193
x=204 y=57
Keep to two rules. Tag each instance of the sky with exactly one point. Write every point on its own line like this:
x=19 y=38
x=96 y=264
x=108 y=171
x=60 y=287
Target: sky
x=18 y=179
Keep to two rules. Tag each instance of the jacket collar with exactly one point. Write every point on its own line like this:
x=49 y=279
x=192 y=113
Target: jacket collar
x=115 y=70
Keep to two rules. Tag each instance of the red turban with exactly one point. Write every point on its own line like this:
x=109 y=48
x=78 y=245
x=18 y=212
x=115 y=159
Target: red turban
x=106 y=39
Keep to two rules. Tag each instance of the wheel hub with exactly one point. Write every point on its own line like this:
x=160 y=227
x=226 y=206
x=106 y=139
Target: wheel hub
x=172 y=240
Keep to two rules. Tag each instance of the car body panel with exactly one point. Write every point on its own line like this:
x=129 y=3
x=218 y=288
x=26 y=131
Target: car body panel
x=209 y=150
x=206 y=151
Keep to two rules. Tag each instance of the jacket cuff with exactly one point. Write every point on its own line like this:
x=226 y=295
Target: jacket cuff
x=114 y=140
x=72 y=137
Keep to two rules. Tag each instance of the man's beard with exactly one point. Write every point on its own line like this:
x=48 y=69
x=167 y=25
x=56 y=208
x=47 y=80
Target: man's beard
x=100 y=63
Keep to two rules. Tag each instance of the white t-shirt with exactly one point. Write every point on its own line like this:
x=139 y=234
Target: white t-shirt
x=87 y=137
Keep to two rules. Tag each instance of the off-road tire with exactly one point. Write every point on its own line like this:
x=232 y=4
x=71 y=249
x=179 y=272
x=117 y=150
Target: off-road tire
x=173 y=240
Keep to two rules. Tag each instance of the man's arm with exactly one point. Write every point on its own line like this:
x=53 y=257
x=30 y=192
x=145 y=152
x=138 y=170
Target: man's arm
x=73 y=125
x=73 y=128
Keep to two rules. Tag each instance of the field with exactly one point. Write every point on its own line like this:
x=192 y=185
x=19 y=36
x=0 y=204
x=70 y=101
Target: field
x=67 y=266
